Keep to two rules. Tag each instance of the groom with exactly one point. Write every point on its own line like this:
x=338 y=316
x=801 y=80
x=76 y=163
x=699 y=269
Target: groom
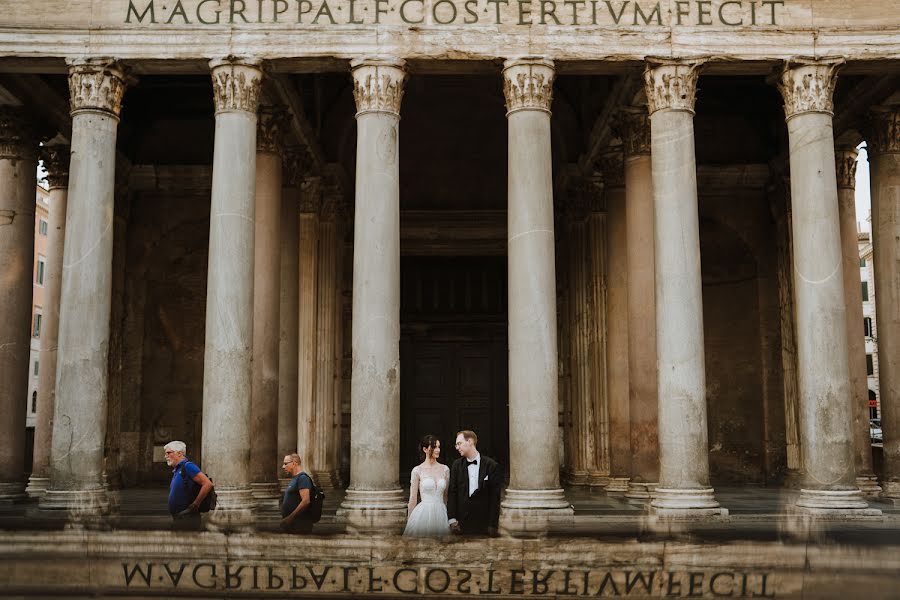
x=473 y=504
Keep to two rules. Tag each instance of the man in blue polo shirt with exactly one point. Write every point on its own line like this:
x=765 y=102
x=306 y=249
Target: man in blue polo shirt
x=188 y=488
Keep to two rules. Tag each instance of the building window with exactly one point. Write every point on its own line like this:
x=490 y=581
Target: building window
x=42 y=263
x=36 y=364
x=865 y=291
x=870 y=365
x=862 y=261
x=42 y=227
x=867 y=326
x=37 y=325
x=34 y=400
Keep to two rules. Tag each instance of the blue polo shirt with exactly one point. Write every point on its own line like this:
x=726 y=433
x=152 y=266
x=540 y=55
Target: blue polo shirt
x=181 y=495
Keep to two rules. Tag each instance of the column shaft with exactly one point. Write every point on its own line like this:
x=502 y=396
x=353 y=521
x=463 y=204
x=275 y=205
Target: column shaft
x=597 y=327
x=288 y=318
x=884 y=157
x=18 y=162
x=227 y=372
x=323 y=453
x=307 y=318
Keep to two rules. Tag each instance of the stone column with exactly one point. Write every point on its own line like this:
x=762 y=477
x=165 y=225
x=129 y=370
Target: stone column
x=826 y=421
x=884 y=158
x=56 y=162
x=856 y=340
x=227 y=371
x=684 y=488
x=18 y=162
x=266 y=305
x=374 y=500
x=617 y=342
x=534 y=497
x=310 y=200
x=288 y=313
x=96 y=87
x=641 y=300
x=325 y=471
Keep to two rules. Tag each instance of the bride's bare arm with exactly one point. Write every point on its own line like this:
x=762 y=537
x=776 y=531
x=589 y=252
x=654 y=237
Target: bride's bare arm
x=413 y=490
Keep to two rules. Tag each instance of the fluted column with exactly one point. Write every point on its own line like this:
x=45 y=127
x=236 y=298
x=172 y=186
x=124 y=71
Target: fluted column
x=227 y=371
x=266 y=306
x=641 y=300
x=826 y=420
x=18 y=162
x=684 y=488
x=56 y=163
x=534 y=496
x=288 y=314
x=308 y=248
x=374 y=500
x=884 y=157
x=96 y=87
x=856 y=341
x=617 y=342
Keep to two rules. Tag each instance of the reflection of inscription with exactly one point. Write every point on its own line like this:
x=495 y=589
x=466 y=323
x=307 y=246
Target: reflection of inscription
x=355 y=580
x=607 y=13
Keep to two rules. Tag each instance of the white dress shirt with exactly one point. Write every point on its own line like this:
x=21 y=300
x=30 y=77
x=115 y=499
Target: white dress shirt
x=473 y=473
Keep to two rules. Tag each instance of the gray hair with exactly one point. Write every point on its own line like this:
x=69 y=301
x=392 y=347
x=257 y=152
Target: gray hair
x=176 y=446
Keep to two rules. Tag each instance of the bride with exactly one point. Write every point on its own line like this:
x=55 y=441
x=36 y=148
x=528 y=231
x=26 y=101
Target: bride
x=429 y=481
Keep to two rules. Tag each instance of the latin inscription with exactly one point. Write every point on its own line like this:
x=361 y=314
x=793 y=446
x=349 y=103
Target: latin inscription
x=438 y=580
x=520 y=13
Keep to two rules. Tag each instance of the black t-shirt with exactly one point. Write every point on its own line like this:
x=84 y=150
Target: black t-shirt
x=291 y=499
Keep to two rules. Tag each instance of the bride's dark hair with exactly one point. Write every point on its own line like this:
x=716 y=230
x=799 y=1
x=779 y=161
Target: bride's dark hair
x=428 y=442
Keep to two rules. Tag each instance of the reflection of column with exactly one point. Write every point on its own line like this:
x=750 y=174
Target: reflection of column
x=334 y=192
x=826 y=427
x=96 y=87
x=266 y=305
x=534 y=494
x=18 y=162
x=856 y=341
x=684 y=488
x=288 y=314
x=56 y=162
x=884 y=157
x=308 y=249
x=227 y=370
x=617 y=342
x=374 y=500
x=639 y=251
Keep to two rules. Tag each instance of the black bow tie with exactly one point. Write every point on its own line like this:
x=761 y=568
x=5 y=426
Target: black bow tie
x=471 y=462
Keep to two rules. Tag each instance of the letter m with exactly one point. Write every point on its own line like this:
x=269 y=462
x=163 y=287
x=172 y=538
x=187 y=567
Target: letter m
x=136 y=569
x=140 y=17
x=631 y=582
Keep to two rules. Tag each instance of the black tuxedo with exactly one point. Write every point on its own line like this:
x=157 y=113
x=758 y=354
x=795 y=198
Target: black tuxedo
x=481 y=510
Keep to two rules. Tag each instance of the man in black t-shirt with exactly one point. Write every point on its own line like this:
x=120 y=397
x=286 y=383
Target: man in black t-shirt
x=297 y=497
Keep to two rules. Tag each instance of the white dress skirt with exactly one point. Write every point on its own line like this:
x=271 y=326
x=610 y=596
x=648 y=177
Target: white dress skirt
x=429 y=517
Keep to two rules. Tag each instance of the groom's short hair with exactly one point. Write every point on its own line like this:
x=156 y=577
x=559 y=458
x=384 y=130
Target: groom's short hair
x=469 y=435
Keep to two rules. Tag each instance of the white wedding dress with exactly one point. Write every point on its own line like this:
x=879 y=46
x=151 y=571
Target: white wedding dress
x=429 y=517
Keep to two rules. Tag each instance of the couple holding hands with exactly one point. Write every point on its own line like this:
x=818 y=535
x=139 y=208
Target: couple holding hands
x=463 y=498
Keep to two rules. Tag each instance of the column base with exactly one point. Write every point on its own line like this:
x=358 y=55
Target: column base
x=641 y=490
x=890 y=489
x=868 y=485
x=617 y=485
x=598 y=480
x=12 y=492
x=526 y=513
x=833 y=503
x=573 y=477
x=81 y=509
x=283 y=484
x=234 y=511
x=793 y=479
x=686 y=503
x=266 y=496
x=37 y=486
x=373 y=511
x=327 y=480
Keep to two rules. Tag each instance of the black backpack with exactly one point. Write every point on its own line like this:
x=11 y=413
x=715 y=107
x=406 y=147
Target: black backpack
x=317 y=499
x=209 y=503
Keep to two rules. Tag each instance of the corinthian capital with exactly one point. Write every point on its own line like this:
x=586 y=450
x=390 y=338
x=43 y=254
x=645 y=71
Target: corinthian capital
x=807 y=85
x=270 y=127
x=845 y=166
x=56 y=162
x=883 y=131
x=378 y=85
x=634 y=129
x=236 y=84
x=612 y=167
x=528 y=84
x=310 y=194
x=96 y=84
x=17 y=137
x=671 y=84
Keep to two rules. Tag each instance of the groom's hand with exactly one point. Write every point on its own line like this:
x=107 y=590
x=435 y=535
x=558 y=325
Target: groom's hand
x=454 y=527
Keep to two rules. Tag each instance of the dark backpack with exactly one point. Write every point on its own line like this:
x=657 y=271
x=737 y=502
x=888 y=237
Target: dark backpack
x=316 y=500
x=209 y=503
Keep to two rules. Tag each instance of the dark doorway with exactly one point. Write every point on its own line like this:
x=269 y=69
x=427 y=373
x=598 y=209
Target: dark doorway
x=453 y=355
